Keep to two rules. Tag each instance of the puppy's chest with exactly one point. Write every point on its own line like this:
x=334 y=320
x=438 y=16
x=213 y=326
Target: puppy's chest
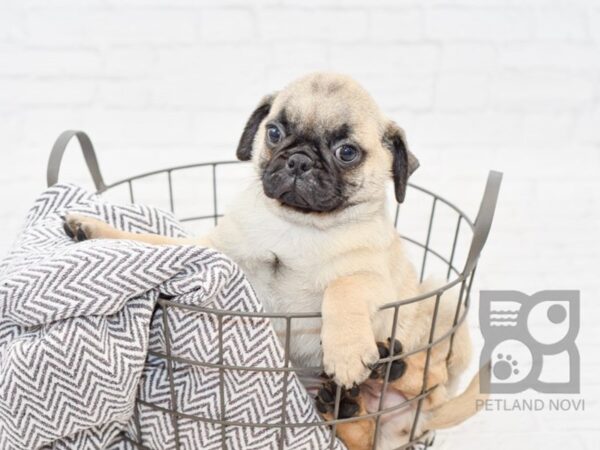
x=283 y=262
x=285 y=282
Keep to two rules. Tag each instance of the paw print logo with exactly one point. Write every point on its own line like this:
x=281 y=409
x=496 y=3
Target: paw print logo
x=505 y=367
x=512 y=362
x=523 y=334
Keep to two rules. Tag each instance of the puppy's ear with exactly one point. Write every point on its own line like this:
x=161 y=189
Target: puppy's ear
x=244 y=150
x=404 y=162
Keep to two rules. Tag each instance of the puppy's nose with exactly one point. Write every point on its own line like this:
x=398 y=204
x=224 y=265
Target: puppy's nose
x=298 y=163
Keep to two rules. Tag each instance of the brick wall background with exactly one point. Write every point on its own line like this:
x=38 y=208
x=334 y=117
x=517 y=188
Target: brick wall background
x=502 y=84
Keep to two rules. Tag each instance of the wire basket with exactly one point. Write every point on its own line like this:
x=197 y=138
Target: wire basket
x=463 y=236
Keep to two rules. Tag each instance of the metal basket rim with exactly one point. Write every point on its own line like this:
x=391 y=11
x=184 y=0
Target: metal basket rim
x=461 y=276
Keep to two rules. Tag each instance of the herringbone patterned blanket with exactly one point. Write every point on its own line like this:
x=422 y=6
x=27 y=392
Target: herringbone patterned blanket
x=77 y=322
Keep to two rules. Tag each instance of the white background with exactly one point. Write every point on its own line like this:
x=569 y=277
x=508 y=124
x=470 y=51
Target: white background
x=477 y=84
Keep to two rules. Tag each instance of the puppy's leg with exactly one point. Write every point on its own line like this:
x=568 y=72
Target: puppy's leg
x=411 y=383
x=347 y=337
x=357 y=435
x=441 y=369
x=81 y=227
x=407 y=374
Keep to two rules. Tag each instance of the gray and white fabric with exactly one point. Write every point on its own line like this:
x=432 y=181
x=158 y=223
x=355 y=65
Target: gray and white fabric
x=77 y=322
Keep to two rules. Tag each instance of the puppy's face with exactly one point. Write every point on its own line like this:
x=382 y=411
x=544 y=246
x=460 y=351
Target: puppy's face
x=321 y=146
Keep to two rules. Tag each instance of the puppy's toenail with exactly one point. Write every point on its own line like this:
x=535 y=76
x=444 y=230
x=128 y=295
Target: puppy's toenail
x=68 y=230
x=81 y=234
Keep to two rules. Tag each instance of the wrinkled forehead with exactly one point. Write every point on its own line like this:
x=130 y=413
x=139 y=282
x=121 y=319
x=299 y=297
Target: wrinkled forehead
x=326 y=106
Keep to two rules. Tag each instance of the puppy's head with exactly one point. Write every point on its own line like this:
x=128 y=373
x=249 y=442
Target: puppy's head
x=321 y=145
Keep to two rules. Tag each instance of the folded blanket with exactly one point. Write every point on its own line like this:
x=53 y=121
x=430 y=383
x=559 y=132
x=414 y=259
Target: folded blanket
x=77 y=321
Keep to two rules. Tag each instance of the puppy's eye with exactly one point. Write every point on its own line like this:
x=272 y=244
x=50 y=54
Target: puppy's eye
x=274 y=134
x=346 y=153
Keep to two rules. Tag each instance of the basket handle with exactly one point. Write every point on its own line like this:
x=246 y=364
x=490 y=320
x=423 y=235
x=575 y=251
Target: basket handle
x=88 y=153
x=483 y=222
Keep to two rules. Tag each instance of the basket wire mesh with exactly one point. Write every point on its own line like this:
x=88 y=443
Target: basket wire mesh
x=454 y=276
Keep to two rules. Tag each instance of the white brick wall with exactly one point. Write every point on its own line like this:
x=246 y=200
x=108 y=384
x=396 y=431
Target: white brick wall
x=478 y=84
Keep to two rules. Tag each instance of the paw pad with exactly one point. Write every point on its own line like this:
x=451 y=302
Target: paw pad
x=348 y=400
x=398 y=366
x=74 y=229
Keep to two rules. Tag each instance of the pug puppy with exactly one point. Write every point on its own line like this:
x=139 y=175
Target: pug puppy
x=312 y=233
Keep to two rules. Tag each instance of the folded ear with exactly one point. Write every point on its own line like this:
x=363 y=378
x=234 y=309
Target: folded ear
x=404 y=162
x=244 y=150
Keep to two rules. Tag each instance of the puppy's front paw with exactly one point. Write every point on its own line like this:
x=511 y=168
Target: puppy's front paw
x=80 y=227
x=349 y=361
